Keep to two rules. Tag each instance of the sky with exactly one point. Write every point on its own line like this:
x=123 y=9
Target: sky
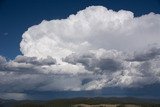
x=61 y=49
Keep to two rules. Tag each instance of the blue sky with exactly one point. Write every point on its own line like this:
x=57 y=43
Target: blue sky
x=76 y=48
x=17 y=16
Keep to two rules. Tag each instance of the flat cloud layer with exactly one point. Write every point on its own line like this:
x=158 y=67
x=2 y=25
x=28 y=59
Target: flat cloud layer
x=94 y=49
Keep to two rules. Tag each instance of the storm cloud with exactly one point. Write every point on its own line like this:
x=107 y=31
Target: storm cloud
x=93 y=28
x=91 y=50
x=93 y=63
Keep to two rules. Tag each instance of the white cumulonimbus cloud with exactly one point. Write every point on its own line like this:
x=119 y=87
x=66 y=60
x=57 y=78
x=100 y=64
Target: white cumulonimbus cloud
x=94 y=49
x=90 y=29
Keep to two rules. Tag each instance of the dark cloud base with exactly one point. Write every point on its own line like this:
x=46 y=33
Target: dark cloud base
x=136 y=75
x=147 y=91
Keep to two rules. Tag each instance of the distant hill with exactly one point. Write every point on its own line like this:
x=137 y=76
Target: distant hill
x=83 y=101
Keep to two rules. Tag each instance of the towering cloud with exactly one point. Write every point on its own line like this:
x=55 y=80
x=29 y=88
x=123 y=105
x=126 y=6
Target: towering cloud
x=94 y=49
x=90 y=29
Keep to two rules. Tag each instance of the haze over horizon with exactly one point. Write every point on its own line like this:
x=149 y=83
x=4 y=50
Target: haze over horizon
x=51 y=50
